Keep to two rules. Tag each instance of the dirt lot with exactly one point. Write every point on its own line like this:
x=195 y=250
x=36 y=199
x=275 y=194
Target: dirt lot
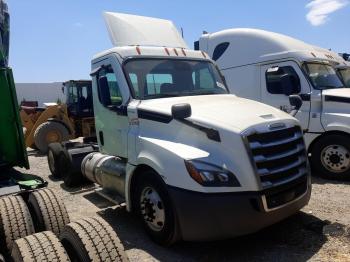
x=321 y=232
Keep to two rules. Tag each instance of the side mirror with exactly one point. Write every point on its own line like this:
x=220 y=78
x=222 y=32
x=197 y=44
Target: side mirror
x=181 y=111
x=288 y=85
x=103 y=91
x=296 y=102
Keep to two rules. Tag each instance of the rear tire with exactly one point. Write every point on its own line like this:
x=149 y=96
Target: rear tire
x=53 y=155
x=330 y=157
x=15 y=222
x=155 y=209
x=92 y=239
x=50 y=132
x=43 y=246
x=48 y=211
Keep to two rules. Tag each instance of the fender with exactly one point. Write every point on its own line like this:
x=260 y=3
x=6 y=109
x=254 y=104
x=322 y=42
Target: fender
x=162 y=155
x=336 y=122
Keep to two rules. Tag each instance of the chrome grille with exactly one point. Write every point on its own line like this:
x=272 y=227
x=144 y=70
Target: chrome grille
x=279 y=156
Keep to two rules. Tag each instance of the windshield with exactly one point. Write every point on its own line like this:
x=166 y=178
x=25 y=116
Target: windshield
x=158 y=78
x=345 y=76
x=323 y=76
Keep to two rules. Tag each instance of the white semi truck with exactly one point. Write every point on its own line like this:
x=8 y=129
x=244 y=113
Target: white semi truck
x=268 y=67
x=194 y=162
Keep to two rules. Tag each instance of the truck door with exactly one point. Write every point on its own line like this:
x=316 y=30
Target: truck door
x=111 y=119
x=275 y=91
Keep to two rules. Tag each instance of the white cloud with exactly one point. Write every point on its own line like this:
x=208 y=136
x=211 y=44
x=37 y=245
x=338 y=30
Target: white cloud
x=321 y=9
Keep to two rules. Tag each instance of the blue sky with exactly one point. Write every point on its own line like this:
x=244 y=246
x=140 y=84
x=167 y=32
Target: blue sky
x=54 y=40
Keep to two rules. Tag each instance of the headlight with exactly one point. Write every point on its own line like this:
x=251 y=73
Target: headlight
x=210 y=175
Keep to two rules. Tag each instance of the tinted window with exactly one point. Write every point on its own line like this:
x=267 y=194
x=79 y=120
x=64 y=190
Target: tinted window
x=159 y=78
x=274 y=76
x=114 y=91
x=220 y=50
x=155 y=81
x=323 y=76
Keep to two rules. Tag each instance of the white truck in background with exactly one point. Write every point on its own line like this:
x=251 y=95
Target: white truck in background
x=268 y=67
x=194 y=162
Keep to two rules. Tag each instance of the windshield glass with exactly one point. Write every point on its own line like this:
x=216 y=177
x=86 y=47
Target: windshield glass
x=158 y=78
x=323 y=76
x=345 y=75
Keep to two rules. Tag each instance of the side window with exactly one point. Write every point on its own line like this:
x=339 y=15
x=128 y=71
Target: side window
x=114 y=90
x=220 y=50
x=159 y=83
x=274 y=76
x=202 y=79
x=73 y=95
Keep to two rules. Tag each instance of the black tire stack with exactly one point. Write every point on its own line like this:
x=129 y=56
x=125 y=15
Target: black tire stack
x=55 y=239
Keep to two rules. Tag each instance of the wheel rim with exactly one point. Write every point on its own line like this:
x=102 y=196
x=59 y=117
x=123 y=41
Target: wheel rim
x=51 y=160
x=152 y=209
x=336 y=158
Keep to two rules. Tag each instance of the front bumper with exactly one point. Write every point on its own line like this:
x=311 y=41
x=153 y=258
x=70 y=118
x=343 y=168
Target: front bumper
x=204 y=216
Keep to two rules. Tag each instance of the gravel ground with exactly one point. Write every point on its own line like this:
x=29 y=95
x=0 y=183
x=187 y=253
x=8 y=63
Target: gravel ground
x=320 y=232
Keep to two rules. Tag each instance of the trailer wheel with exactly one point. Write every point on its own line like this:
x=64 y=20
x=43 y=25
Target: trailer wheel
x=330 y=157
x=43 y=246
x=48 y=211
x=53 y=155
x=15 y=222
x=49 y=132
x=155 y=209
x=92 y=239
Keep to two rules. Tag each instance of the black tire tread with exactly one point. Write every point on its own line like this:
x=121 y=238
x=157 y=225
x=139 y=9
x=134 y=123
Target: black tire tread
x=56 y=149
x=51 y=212
x=98 y=240
x=40 y=142
x=15 y=221
x=43 y=246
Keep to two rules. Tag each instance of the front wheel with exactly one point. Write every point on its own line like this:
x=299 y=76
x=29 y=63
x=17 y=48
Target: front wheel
x=154 y=207
x=330 y=157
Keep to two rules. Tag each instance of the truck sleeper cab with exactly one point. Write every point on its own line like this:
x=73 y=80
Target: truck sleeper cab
x=194 y=162
x=268 y=67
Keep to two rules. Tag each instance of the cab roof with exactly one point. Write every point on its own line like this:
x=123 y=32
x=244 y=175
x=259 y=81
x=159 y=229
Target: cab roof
x=249 y=46
x=140 y=36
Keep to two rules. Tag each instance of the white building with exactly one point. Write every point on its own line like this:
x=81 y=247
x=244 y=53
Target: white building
x=41 y=92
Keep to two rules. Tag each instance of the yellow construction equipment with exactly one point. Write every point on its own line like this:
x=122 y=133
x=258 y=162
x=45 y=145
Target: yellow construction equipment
x=59 y=122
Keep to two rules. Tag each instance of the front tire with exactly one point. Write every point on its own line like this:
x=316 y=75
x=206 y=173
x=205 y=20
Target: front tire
x=49 y=132
x=153 y=206
x=330 y=157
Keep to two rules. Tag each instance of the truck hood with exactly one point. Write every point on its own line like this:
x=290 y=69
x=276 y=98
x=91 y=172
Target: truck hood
x=336 y=101
x=220 y=111
x=333 y=94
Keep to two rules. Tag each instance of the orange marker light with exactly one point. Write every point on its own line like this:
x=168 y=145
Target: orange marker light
x=167 y=51
x=138 y=50
x=176 y=53
x=183 y=52
x=204 y=55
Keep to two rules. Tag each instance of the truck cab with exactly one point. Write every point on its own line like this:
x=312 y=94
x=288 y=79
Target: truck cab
x=344 y=72
x=268 y=67
x=182 y=152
